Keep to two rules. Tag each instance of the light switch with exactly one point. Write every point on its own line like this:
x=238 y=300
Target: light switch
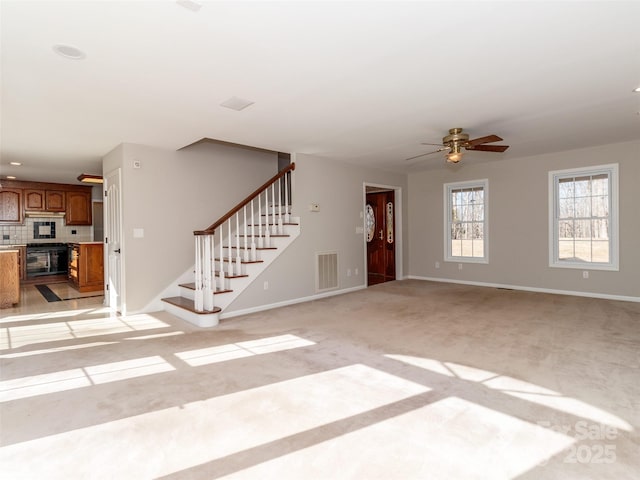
x=314 y=207
x=138 y=233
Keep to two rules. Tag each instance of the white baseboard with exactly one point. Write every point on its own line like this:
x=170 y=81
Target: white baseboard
x=604 y=296
x=293 y=301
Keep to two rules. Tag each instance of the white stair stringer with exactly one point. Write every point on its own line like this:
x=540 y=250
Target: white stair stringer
x=253 y=270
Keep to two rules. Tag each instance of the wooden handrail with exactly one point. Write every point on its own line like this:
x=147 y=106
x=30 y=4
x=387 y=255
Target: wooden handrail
x=211 y=228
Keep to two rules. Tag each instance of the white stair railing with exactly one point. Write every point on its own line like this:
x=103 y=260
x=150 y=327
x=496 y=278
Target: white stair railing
x=207 y=243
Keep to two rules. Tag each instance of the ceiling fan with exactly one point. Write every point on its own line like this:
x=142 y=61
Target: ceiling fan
x=456 y=141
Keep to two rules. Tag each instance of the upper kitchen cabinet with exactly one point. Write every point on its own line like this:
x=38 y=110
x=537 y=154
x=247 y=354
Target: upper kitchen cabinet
x=11 y=205
x=78 y=207
x=55 y=200
x=18 y=197
x=33 y=200
x=38 y=200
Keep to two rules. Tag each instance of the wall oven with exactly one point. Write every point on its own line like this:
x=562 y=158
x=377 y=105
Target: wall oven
x=46 y=259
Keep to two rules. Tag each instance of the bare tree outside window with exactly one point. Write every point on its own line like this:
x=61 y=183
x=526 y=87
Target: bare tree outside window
x=465 y=211
x=583 y=216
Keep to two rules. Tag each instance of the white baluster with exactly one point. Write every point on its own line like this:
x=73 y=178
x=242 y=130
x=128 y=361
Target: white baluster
x=286 y=197
x=221 y=270
x=260 y=239
x=238 y=258
x=280 y=224
x=274 y=224
x=267 y=233
x=246 y=227
x=229 y=253
x=208 y=286
x=197 y=300
x=253 y=234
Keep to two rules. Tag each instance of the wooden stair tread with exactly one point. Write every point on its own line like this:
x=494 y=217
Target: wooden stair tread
x=226 y=275
x=233 y=260
x=188 y=304
x=264 y=235
x=271 y=224
x=192 y=286
x=249 y=248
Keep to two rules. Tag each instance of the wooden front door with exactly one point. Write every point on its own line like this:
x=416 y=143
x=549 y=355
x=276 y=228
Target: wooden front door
x=380 y=236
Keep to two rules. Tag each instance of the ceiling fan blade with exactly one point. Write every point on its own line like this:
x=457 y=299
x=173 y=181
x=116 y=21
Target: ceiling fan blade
x=488 y=148
x=487 y=139
x=428 y=153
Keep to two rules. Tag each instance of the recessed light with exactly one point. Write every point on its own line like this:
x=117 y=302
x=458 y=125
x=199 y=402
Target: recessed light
x=189 y=5
x=67 y=51
x=15 y=164
x=235 y=103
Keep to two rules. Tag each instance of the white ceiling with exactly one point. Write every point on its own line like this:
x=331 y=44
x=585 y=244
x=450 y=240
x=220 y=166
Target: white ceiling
x=365 y=82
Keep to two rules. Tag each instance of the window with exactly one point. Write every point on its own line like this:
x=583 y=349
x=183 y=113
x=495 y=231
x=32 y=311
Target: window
x=465 y=216
x=583 y=216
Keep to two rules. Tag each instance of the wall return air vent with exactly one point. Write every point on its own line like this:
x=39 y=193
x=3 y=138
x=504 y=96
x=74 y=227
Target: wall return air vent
x=326 y=271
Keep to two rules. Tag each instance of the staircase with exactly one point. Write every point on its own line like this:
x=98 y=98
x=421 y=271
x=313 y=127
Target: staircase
x=233 y=251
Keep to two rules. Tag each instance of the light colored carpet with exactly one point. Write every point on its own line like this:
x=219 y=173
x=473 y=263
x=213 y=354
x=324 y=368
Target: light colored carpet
x=405 y=380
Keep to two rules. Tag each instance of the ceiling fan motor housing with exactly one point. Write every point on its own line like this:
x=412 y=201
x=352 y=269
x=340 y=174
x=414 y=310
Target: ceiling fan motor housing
x=455 y=137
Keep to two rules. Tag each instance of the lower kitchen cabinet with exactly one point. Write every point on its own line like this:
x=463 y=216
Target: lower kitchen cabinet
x=9 y=278
x=86 y=266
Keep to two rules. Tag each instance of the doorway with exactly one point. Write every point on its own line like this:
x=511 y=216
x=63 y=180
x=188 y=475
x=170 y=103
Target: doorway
x=380 y=234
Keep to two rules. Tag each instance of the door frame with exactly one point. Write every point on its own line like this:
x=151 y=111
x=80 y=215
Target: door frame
x=397 y=213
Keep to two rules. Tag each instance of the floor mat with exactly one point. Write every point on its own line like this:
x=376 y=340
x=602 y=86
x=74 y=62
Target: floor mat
x=48 y=294
x=58 y=292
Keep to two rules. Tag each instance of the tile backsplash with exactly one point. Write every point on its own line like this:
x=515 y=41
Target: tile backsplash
x=20 y=234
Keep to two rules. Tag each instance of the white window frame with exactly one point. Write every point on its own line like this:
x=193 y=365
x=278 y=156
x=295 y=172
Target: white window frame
x=448 y=187
x=554 y=178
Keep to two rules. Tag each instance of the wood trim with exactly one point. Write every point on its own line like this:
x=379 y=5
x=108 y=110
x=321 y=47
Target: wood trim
x=211 y=228
x=65 y=187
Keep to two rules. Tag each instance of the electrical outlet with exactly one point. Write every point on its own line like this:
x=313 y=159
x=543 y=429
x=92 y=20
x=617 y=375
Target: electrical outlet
x=459 y=266
x=348 y=272
x=266 y=285
x=585 y=274
x=356 y=272
x=437 y=264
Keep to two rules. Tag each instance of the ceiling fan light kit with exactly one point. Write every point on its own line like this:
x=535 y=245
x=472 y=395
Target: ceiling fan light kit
x=454 y=155
x=456 y=140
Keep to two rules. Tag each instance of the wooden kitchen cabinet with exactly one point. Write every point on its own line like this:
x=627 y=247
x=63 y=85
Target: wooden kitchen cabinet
x=18 y=196
x=37 y=200
x=86 y=267
x=78 y=211
x=11 y=209
x=22 y=261
x=34 y=200
x=55 y=201
x=9 y=278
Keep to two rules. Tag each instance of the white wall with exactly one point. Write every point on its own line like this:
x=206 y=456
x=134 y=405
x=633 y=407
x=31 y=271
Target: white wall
x=518 y=198
x=338 y=188
x=170 y=196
